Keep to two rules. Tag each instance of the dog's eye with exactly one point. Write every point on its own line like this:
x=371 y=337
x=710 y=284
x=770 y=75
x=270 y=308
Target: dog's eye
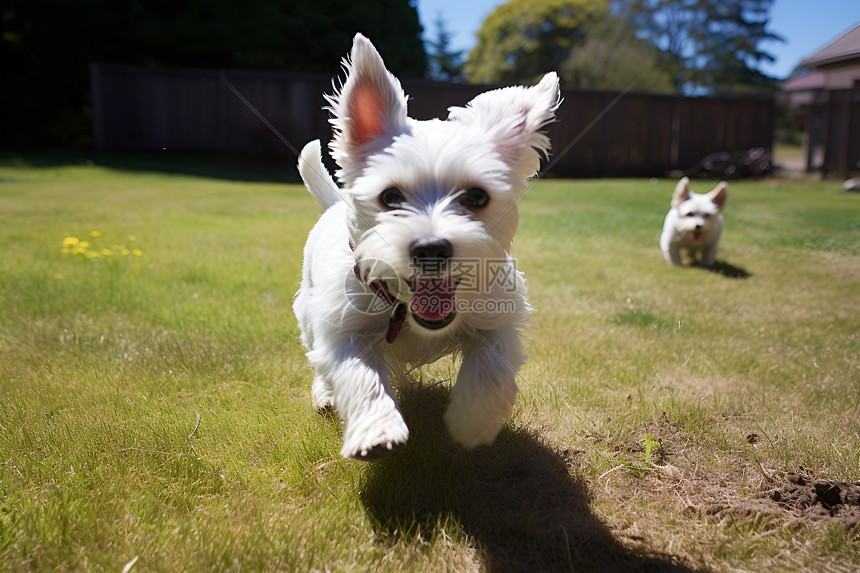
x=475 y=198
x=391 y=198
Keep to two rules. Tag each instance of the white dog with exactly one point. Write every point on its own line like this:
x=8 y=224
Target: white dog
x=410 y=260
x=693 y=224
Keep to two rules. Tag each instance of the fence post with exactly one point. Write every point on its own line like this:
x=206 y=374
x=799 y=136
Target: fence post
x=674 y=135
x=844 y=166
x=98 y=111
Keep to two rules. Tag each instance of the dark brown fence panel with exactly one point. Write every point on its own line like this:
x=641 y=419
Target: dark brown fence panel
x=429 y=99
x=837 y=130
x=196 y=110
x=598 y=133
x=833 y=145
x=702 y=129
x=851 y=161
x=834 y=135
x=578 y=140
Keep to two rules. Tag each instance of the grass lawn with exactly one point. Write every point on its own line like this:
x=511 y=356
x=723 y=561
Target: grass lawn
x=788 y=155
x=155 y=410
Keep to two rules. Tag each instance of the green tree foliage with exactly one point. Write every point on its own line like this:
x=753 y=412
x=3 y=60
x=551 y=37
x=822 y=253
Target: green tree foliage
x=613 y=58
x=46 y=46
x=523 y=39
x=443 y=63
x=707 y=45
x=732 y=43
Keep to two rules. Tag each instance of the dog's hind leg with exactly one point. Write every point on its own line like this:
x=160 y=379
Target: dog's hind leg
x=322 y=395
x=672 y=254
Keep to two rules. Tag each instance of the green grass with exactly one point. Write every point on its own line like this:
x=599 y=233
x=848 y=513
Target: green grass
x=157 y=406
x=789 y=154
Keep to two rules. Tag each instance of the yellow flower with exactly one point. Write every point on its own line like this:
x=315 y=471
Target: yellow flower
x=58 y=276
x=75 y=246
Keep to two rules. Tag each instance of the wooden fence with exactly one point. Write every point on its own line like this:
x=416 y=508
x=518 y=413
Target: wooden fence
x=598 y=133
x=834 y=132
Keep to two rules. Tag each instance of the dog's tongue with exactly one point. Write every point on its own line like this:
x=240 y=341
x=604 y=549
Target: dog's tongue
x=433 y=299
x=696 y=236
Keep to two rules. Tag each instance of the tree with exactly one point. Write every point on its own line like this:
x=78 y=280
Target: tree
x=46 y=47
x=613 y=58
x=707 y=45
x=443 y=63
x=523 y=39
x=731 y=44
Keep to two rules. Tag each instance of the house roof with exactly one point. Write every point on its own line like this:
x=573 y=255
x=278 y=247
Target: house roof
x=846 y=47
x=812 y=81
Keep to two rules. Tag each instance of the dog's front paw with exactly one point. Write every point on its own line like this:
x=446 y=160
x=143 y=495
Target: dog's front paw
x=470 y=428
x=371 y=437
x=322 y=395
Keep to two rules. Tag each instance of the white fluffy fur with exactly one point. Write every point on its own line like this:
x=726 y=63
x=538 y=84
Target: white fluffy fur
x=694 y=224
x=494 y=143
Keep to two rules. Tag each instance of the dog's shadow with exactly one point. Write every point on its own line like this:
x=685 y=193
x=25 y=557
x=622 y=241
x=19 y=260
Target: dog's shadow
x=728 y=270
x=516 y=499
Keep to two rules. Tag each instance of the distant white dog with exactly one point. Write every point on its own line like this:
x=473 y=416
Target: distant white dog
x=410 y=260
x=693 y=224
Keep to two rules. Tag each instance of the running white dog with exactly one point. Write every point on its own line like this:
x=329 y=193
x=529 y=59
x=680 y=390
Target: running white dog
x=693 y=224
x=410 y=260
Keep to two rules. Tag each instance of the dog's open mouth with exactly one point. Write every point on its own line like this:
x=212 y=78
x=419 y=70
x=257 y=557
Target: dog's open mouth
x=696 y=236
x=433 y=302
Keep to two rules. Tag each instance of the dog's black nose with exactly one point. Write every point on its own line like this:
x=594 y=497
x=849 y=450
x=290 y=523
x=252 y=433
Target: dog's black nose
x=428 y=250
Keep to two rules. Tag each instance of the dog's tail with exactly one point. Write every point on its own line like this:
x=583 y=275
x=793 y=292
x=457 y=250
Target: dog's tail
x=316 y=177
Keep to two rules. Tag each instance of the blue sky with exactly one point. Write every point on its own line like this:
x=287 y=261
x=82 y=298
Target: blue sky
x=806 y=25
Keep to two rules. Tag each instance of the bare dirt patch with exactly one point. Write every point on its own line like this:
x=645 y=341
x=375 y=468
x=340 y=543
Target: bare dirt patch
x=817 y=499
x=684 y=494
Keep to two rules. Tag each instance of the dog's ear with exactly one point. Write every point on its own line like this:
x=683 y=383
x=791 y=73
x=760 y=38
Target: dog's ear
x=719 y=195
x=682 y=191
x=369 y=107
x=513 y=118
